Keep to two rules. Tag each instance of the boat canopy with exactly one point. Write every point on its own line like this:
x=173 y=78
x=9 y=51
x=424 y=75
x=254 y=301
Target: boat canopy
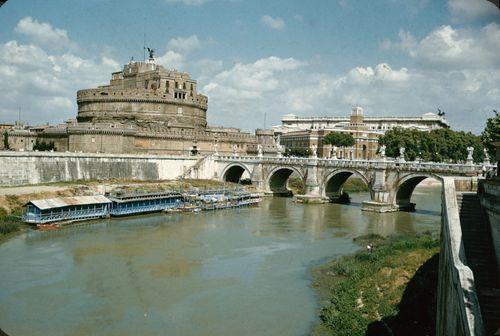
x=60 y=202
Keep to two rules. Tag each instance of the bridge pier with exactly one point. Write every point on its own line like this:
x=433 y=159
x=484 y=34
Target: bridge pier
x=257 y=177
x=380 y=194
x=312 y=186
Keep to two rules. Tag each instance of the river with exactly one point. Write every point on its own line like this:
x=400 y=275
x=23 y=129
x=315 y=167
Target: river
x=232 y=272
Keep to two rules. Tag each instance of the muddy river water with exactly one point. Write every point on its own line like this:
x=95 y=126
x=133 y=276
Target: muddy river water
x=232 y=272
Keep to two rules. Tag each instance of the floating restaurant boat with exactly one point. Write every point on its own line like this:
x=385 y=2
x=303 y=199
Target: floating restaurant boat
x=120 y=203
x=66 y=209
x=137 y=203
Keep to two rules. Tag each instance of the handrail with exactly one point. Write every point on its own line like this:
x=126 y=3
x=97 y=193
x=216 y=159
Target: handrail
x=458 y=305
x=379 y=163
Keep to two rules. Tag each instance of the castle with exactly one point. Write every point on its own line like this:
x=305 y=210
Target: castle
x=145 y=109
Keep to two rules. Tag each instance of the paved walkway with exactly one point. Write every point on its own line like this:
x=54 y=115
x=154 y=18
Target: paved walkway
x=30 y=190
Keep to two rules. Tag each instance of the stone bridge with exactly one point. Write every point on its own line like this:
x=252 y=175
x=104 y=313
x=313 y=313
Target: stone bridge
x=391 y=182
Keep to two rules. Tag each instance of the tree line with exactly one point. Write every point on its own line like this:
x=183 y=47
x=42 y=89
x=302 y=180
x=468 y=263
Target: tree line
x=442 y=145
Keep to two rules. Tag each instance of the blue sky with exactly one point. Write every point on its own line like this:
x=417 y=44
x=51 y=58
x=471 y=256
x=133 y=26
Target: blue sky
x=256 y=58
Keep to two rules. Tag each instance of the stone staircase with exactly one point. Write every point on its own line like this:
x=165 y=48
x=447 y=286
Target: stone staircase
x=480 y=256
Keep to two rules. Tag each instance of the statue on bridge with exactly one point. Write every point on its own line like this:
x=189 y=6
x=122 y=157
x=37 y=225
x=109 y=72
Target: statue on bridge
x=486 y=160
x=314 y=151
x=279 y=150
x=259 y=150
x=382 y=151
x=470 y=151
x=334 y=152
x=235 y=150
x=402 y=154
x=216 y=149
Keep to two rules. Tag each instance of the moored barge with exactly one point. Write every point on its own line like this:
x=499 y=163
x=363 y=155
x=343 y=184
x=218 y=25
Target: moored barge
x=125 y=204
x=78 y=208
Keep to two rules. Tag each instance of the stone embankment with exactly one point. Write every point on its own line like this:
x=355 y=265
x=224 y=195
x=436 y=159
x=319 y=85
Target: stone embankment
x=18 y=168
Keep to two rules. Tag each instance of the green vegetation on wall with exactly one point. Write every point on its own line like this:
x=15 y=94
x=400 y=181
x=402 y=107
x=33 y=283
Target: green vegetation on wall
x=441 y=145
x=44 y=146
x=6 y=141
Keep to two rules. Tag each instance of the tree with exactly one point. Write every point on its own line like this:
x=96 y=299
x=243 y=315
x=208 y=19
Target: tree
x=339 y=139
x=6 y=141
x=491 y=133
x=300 y=152
x=437 y=145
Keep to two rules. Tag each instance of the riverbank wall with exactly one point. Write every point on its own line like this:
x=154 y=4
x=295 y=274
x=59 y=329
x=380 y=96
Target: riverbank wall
x=19 y=168
x=458 y=311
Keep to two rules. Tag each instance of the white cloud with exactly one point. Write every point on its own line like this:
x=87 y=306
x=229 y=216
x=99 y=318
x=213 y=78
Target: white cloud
x=467 y=10
x=273 y=23
x=171 y=60
x=207 y=68
x=42 y=79
x=406 y=42
x=185 y=44
x=188 y=2
x=452 y=48
x=43 y=33
x=244 y=91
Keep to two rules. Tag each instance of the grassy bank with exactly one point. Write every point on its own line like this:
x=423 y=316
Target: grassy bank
x=391 y=291
x=9 y=223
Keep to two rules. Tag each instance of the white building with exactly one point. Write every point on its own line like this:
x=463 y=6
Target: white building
x=426 y=122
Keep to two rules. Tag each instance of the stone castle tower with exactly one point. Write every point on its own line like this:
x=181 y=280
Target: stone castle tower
x=142 y=94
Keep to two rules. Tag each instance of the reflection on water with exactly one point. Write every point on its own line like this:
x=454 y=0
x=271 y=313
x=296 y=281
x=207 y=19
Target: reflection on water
x=235 y=272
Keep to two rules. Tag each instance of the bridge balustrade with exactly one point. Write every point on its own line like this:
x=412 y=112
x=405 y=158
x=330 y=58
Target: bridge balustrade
x=388 y=163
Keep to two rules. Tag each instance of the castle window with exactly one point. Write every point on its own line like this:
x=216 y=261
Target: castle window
x=184 y=86
x=179 y=111
x=176 y=85
x=192 y=87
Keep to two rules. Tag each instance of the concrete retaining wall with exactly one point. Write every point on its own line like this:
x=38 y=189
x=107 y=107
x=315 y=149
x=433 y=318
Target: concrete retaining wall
x=458 y=311
x=17 y=168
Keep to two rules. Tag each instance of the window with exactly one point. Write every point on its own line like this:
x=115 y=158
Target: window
x=179 y=111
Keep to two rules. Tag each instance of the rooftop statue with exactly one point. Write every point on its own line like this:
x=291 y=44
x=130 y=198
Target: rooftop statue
x=151 y=52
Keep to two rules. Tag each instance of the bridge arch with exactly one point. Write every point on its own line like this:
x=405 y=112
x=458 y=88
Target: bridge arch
x=405 y=187
x=235 y=172
x=277 y=178
x=333 y=183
